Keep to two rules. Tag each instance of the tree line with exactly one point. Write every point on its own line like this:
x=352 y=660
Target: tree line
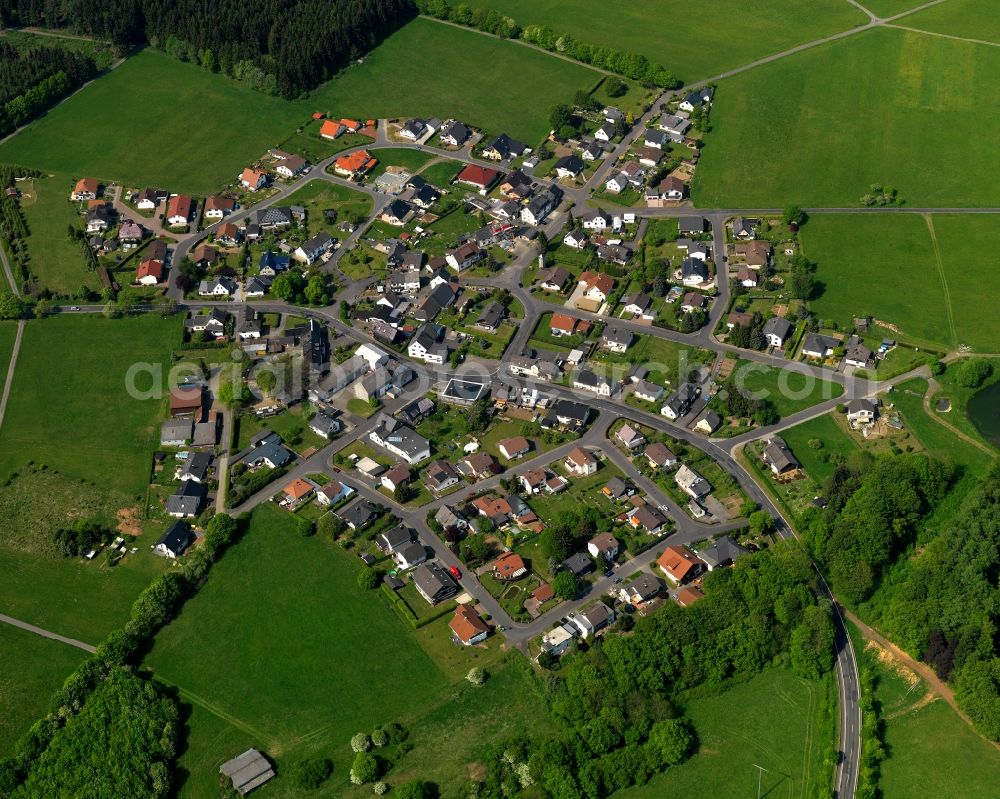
x=929 y=583
x=282 y=47
x=35 y=79
x=621 y=62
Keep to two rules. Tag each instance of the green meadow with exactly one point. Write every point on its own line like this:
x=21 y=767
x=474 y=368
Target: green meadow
x=973 y=19
x=877 y=108
x=427 y=68
x=694 y=42
x=318 y=661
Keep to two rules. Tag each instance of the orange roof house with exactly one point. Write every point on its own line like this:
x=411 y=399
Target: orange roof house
x=567 y=325
x=253 y=179
x=688 y=595
x=509 y=566
x=351 y=124
x=679 y=563
x=330 y=129
x=357 y=163
x=298 y=490
x=185 y=400
x=479 y=176
x=86 y=189
x=468 y=626
x=598 y=282
x=149 y=270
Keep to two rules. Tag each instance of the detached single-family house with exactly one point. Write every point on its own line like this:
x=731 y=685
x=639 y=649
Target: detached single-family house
x=679 y=403
x=315 y=248
x=174 y=541
x=400 y=440
x=776 y=331
x=433 y=583
x=861 y=411
x=580 y=462
x=454 y=134
x=569 y=166
x=723 y=552
x=179 y=210
x=630 y=438
x=185 y=502
x=694 y=272
x=468 y=626
x=479 y=177
x=253 y=179
x=616 y=339
x=680 y=564
x=604 y=546
x=641 y=590
x=659 y=456
x=440 y=476
x=594 y=619
x=645 y=390
x=514 y=447
x=605 y=132
x=290 y=166
x=819 y=346
x=597 y=285
x=86 y=189
x=708 y=422
x=217 y=207
x=779 y=458
x=691 y=483
x=333 y=493
x=504 y=147
x=587 y=380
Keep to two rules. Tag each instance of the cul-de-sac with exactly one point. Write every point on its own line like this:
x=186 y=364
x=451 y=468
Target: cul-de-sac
x=500 y=400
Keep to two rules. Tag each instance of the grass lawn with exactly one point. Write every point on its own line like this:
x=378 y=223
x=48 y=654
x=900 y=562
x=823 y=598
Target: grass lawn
x=822 y=102
x=156 y=136
x=888 y=8
x=776 y=720
x=581 y=491
x=427 y=68
x=442 y=173
x=319 y=195
x=974 y=19
x=930 y=750
x=729 y=33
x=317 y=640
x=87 y=426
x=56 y=262
x=314 y=148
x=882 y=266
x=32 y=668
x=816 y=461
x=410 y=160
x=789 y=391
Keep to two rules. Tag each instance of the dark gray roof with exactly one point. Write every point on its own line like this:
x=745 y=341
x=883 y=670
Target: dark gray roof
x=177 y=538
x=578 y=564
x=724 y=550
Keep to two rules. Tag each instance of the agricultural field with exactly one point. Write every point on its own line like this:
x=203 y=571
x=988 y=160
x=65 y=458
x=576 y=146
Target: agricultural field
x=782 y=725
x=57 y=263
x=729 y=33
x=150 y=137
x=883 y=266
x=32 y=668
x=974 y=19
x=434 y=54
x=317 y=640
x=820 y=102
x=930 y=750
x=889 y=8
x=87 y=427
x=790 y=391
x=8 y=331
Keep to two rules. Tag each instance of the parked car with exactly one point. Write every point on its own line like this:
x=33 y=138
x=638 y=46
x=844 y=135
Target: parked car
x=455 y=572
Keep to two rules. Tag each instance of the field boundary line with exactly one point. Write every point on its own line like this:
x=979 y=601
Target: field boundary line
x=31 y=628
x=215 y=710
x=942 y=35
x=529 y=45
x=944 y=278
x=9 y=380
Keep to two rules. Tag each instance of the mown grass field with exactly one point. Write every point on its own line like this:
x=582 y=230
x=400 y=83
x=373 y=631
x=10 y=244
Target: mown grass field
x=442 y=173
x=773 y=721
x=8 y=331
x=56 y=262
x=973 y=19
x=69 y=408
x=925 y=275
x=835 y=441
x=410 y=160
x=157 y=121
x=427 y=68
x=319 y=661
x=788 y=390
x=888 y=8
x=930 y=750
x=883 y=266
x=814 y=114
x=31 y=669
x=725 y=33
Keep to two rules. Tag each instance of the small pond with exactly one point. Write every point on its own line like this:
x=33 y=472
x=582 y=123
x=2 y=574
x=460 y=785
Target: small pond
x=984 y=412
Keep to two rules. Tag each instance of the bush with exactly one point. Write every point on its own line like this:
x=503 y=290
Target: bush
x=972 y=372
x=476 y=676
x=311 y=772
x=364 y=769
x=414 y=789
x=361 y=743
x=367 y=580
x=379 y=737
x=380 y=788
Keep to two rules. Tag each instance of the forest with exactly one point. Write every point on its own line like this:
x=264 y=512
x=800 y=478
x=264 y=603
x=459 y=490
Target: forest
x=619 y=705
x=283 y=47
x=930 y=584
x=33 y=80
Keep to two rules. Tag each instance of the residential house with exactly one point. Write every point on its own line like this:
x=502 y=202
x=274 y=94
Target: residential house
x=739 y=318
x=464 y=256
x=617 y=183
x=819 y=346
x=440 y=476
x=468 y=626
x=397 y=213
x=674 y=125
x=509 y=567
x=179 y=210
x=290 y=166
x=410 y=555
x=514 y=447
x=454 y=134
x=747 y=277
x=333 y=493
x=490 y=317
x=668 y=190
x=756 y=253
x=413 y=129
x=776 y=331
x=569 y=166
x=646 y=517
x=861 y=411
x=186 y=401
x=479 y=466
x=330 y=129
x=315 y=248
x=644 y=588
x=325 y=426
x=604 y=546
x=355 y=165
x=616 y=339
x=99 y=218
x=679 y=403
x=561 y=324
x=589 y=381
x=297 y=492
x=570 y=414
x=149 y=273
x=691 y=225
x=578 y=564
x=708 y=422
x=399 y=439
x=617 y=489
x=358 y=515
x=659 y=456
x=680 y=564
x=594 y=219
x=267 y=451
x=691 y=483
x=644 y=390
x=541 y=205
x=174 y=541
x=639 y=306
x=479 y=177
x=580 y=462
x=433 y=583
x=688 y=595
x=517 y=186
x=694 y=272
x=253 y=179
x=594 y=619
x=426 y=344
x=629 y=437
x=723 y=552
x=217 y=207
x=744 y=228
x=779 y=458
x=176 y=432
x=615 y=253
x=394 y=539
x=576 y=239
x=86 y=189
x=228 y=235
x=218 y=287
x=597 y=286
x=591 y=151
x=656 y=138
x=504 y=147
x=858 y=355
